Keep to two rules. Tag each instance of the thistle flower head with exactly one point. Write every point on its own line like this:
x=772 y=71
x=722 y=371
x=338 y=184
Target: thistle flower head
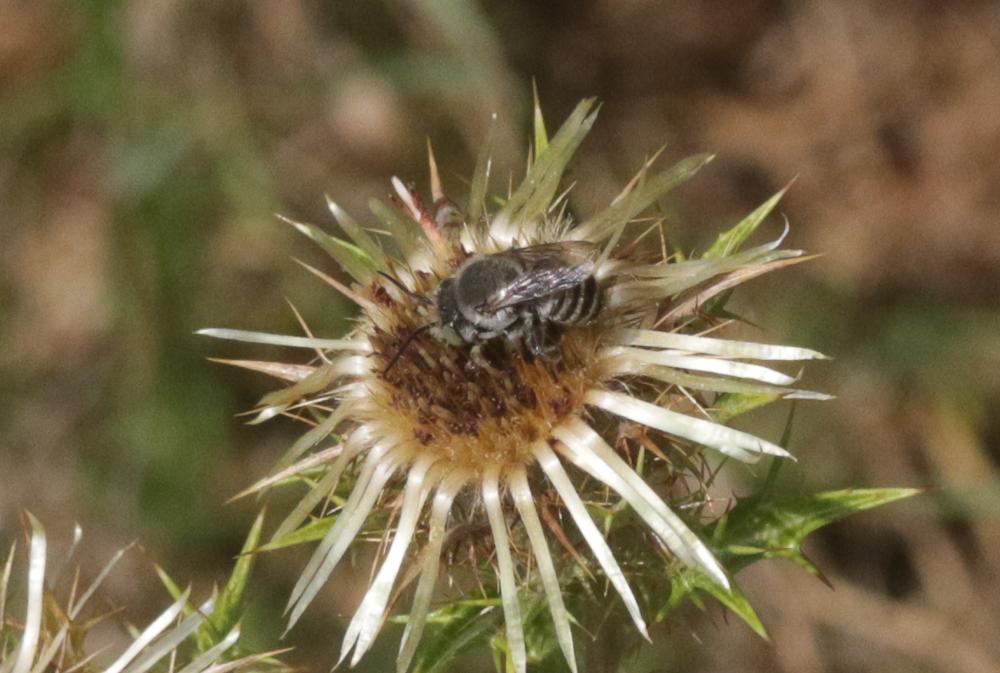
x=495 y=393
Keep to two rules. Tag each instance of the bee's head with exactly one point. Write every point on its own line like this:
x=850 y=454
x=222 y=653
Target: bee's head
x=449 y=314
x=447 y=304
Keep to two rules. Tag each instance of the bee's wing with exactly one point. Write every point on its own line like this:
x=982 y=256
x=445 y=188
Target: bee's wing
x=563 y=253
x=550 y=268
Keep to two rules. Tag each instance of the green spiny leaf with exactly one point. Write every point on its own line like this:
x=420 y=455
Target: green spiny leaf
x=759 y=528
x=312 y=531
x=541 y=135
x=445 y=614
x=716 y=307
x=643 y=196
x=324 y=428
x=738 y=604
x=318 y=380
x=354 y=260
x=540 y=638
x=464 y=627
x=534 y=195
x=686 y=584
x=476 y=207
x=730 y=241
x=229 y=605
x=404 y=231
x=777 y=528
x=173 y=589
x=356 y=232
x=730 y=405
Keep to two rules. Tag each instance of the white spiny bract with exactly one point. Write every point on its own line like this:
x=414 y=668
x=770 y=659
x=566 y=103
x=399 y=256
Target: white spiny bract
x=53 y=631
x=439 y=428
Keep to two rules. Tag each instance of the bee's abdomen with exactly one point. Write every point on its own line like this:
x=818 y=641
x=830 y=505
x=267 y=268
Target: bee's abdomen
x=577 y=305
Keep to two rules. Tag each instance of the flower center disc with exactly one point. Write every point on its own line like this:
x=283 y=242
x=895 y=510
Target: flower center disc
x=444 y=402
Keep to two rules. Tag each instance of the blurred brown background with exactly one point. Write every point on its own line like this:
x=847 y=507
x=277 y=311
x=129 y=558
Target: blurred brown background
x=144 y=146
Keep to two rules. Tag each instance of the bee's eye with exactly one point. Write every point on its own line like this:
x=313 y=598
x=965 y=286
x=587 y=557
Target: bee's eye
x=447 y=305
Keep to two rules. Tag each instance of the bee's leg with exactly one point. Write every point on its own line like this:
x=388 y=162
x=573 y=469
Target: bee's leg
x=543 y=340
x=519 y=337
x=531 y=338
x=478 y=359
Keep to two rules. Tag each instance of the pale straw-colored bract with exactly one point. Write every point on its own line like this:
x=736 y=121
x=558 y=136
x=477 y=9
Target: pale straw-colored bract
x=435 y=427
x=51 y=633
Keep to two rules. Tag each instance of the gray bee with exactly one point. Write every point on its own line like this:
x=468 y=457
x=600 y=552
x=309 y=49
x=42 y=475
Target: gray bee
x=524 y=295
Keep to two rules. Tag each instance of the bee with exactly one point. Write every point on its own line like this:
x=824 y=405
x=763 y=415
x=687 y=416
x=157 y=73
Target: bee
x=526 y=296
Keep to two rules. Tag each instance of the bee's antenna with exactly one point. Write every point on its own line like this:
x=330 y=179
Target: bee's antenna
x=410 y=293
x=406 y=344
